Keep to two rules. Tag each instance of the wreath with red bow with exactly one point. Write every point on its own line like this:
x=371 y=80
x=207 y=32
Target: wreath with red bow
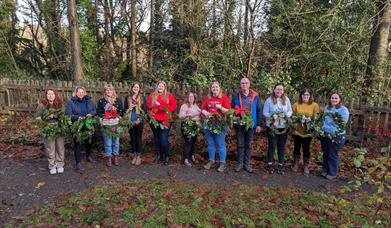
x=239 y=116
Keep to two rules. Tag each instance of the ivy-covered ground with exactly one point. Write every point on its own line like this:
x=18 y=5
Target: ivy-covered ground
x=153 y=195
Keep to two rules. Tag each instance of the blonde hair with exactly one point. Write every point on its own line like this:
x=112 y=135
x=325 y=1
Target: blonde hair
x=156 y=93
x=111 y=99
x=210 y=90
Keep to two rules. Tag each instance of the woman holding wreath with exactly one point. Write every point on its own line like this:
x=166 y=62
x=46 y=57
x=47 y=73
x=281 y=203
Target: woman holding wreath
x=110 y=110
x=190 y=112
x=306 y=109
x=135 y=106
x=334 y=123
x=79 y=107
x=213 y=108
x=277 y=110
x=54 y=146
x=161 y=104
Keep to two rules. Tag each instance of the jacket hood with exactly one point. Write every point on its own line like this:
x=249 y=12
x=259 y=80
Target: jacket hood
x=75 y=98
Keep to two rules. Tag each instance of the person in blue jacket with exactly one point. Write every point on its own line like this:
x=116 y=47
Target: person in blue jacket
x=247 y=99
x=81 y=106
x=331 y=147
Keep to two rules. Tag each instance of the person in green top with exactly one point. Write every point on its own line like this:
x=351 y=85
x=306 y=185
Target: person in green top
x=54 y=147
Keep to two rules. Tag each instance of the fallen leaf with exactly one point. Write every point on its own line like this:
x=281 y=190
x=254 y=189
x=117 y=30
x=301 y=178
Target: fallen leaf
x=39 y=185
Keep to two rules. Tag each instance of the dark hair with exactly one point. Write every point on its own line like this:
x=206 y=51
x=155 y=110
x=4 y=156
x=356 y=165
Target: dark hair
x=302 y=92
x=329 y=105
x=57 y=103
x=283 y=97
x=187 y=98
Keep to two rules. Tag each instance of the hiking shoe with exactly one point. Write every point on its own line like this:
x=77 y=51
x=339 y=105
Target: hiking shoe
x=323 y=174
x=116 y=162
x=79 y=167
x=193 y=159
x=138 y=160
x=248 y=169
x=295 y=166
x=221 y=167
x=209 y=165
x=187 y=163
x=306 y=169
x=166 y=161
x=329 y=177
x=53 y=171
x=108 y=162
x=134 y=160
x=89 y=159
x=269 y=169
x=238 y=167
x=280 y=169
x=60 y=170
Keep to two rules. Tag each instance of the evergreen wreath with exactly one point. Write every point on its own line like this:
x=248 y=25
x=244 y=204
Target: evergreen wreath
x=83 y=129
x=215 y=124
x=190 y=128
x=55 y=127
x=276 y=118
x=239 y=116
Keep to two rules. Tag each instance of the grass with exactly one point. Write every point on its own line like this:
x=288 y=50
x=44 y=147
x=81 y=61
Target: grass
x=162 y=204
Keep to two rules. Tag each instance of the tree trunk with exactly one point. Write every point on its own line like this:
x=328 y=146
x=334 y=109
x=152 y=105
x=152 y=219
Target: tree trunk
x=378 y=53
x=151 y=33
x=133 y=38
x=76 y=66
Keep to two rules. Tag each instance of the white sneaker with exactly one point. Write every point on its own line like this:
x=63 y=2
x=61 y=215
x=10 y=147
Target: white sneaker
x=53 y=171
x=60 y=170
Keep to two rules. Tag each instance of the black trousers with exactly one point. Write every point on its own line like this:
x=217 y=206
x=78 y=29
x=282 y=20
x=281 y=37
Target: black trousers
x=136 y=134
x=245 y=139
x=78 y=147
x=188 y=150
x=302 y=142
x=279 y=141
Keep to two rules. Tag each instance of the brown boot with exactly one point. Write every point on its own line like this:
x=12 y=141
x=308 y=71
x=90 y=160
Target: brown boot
x=116 y=160
x=138 y=160
x=295 y=166
x=134 y=159
x=108 y=162
x=306 y=169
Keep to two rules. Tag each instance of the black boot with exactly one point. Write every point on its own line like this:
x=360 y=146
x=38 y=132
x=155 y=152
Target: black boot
x=157 y=158
x=166 y=160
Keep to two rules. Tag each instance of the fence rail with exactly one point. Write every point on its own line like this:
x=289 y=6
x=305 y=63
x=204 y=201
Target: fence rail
x=22 y=96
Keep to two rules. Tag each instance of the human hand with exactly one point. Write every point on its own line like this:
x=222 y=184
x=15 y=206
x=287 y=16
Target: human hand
x=258 y=129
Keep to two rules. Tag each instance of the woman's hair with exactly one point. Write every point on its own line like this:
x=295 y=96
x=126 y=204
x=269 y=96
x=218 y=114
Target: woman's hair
x=79 y=87
x=137 y=100
x=210 y=90
x=57 y=103
x=187 y=98
x=156 y=93
x=111 y=99
x=302 y=92
x=329 y=105
x=274 y=97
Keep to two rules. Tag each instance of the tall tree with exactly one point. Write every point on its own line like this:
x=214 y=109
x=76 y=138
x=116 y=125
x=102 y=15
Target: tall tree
x=77 y=65
x=133 y=38
x=378 y=52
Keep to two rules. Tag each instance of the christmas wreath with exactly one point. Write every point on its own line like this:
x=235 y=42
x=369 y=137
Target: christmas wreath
x=305 y=121
x=164 y=124
x=279 y=118
x=126 y=121
x=111 y=122
x=54 y=123
x=190 y=128
x=215 y=124
x=83 y=129
x=239 y=116
x=318 y=125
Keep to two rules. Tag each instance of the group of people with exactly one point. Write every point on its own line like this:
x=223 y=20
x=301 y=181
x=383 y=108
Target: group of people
x=160 y=106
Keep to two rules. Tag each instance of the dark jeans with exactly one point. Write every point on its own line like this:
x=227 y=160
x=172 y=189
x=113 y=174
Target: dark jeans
x=330 y=155
x=160 y=136
x=245 y=139
x=188 y=150
x=280 y=141
x=302 y=142
x=78 y=147
x=136 y=134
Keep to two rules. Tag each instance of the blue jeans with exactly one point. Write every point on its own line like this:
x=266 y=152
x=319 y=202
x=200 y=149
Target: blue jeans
x=216 y=141
x=330 y=154
x=111 y=144
x=162 y=146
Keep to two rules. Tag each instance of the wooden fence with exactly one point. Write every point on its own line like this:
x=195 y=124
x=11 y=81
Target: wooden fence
x=22 y=96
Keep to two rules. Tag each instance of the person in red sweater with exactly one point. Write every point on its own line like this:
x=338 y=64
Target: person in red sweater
x=161 y=104
x=216 y=103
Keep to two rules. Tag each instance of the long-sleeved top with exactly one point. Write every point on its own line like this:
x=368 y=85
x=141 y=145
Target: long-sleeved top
x=133 y=113
x=269 y=108
x=77 y=107
x=161 y=111
x=100 y=110
x=252 y=103
x=194 y=111
x=209 y=104
x=310 y=110
x=329 y=126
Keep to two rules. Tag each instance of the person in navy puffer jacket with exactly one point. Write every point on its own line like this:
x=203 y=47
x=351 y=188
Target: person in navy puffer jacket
x=81 y=106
